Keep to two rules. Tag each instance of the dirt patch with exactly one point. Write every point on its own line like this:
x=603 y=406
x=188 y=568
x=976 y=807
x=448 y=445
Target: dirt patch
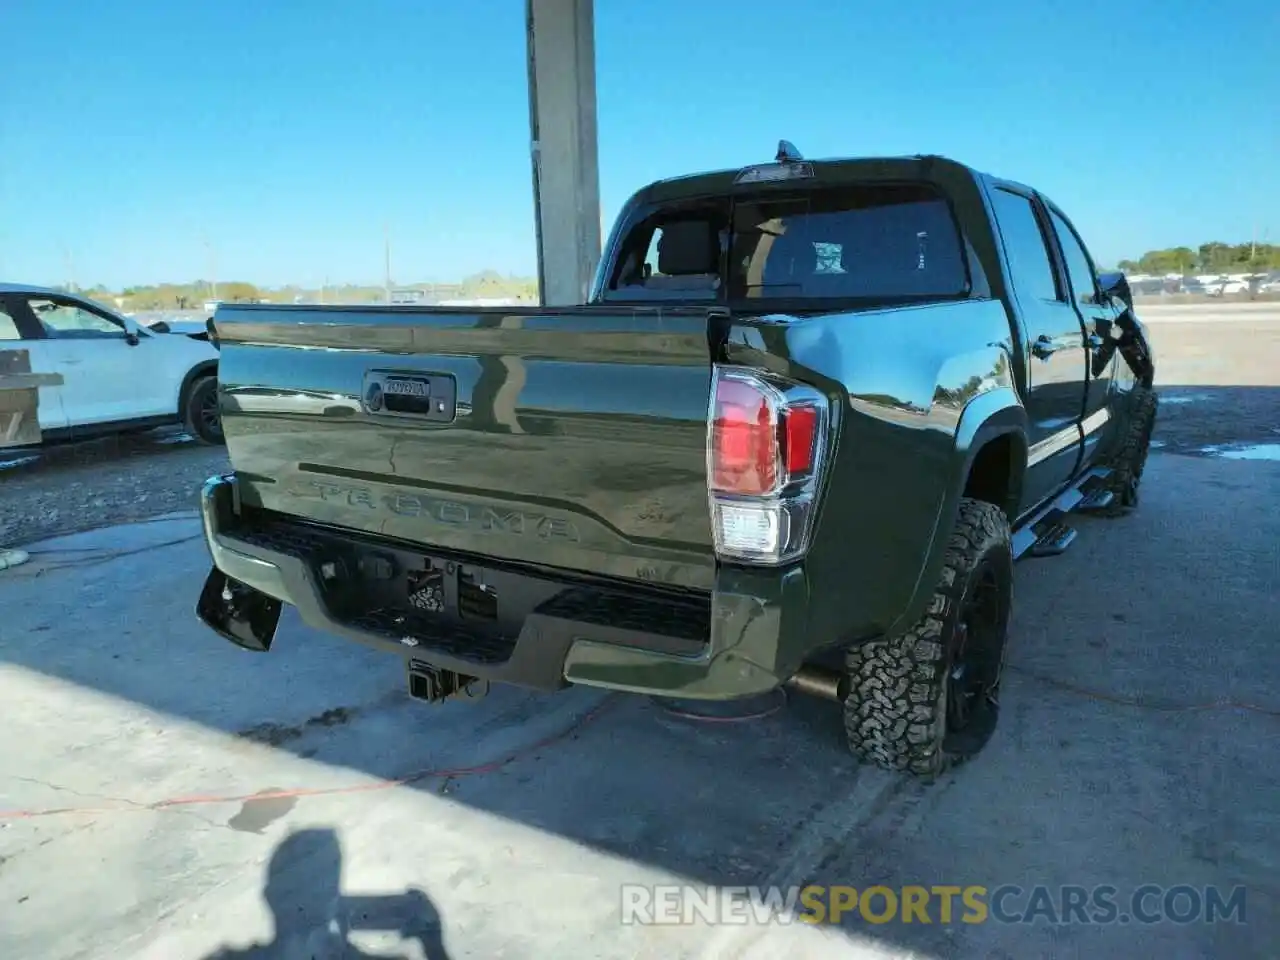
x=275 y=734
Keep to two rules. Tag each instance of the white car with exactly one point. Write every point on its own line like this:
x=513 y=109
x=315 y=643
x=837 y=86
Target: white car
x=116 y=375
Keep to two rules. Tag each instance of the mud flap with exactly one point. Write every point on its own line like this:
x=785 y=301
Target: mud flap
x=238 y=613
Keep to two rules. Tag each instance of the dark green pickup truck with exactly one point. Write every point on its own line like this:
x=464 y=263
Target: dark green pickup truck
x=810 y=417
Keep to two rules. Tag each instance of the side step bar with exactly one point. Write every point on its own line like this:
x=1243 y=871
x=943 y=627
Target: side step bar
x=1047 y=534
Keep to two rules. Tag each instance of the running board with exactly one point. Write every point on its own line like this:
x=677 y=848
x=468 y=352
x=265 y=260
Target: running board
x=1097 y=502
x=1046 y=533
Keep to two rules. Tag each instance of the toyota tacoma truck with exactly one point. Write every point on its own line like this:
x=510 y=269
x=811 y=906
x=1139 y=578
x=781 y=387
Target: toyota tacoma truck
x=808 y=419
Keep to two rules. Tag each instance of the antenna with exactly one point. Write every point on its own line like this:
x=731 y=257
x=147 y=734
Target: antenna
x=787 y=152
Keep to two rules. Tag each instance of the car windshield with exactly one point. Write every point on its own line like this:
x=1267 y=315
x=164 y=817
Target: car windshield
x=866 y=241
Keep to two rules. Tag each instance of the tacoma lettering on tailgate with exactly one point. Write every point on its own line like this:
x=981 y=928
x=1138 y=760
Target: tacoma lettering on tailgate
x=489 y=519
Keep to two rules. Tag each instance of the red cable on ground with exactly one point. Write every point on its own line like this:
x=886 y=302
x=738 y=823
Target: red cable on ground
x=429 y=774
x=592 y=714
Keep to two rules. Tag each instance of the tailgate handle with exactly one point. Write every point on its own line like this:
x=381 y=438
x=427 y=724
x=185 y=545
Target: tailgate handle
x=421 y=396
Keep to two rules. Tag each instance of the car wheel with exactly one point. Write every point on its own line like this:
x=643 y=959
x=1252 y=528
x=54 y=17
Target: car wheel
x=1131 y=458
x=927 y=699
x=202 y=415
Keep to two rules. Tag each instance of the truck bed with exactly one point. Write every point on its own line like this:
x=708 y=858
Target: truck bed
x=570 y=438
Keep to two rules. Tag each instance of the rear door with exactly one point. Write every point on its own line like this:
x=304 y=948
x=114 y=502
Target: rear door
x=1097 y=316
x=1056 y=364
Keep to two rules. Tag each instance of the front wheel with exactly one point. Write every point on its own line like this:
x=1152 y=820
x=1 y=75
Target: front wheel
x=927 y=698
x=202 y=416
x=1131 y=458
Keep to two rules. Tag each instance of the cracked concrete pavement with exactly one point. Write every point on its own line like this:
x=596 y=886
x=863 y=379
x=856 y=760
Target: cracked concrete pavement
x=165 y=794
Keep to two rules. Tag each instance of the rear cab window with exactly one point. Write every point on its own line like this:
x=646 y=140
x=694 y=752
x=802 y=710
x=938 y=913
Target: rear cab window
x=883 y=241
x=801 y=249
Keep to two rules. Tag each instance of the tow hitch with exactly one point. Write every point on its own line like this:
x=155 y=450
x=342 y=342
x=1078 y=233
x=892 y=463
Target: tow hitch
x=237 y=612
x=434 y=685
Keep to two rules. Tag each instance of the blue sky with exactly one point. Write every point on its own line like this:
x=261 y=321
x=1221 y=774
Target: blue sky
x=143 y=141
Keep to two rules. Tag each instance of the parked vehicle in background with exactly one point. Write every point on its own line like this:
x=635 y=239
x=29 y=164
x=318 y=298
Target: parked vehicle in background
x=812 y=414
x=117 y=376
x=1228 y=286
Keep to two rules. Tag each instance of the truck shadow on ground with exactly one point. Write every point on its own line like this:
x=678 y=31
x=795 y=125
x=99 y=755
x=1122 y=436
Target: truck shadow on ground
x=312 y=917
x=1073 y=789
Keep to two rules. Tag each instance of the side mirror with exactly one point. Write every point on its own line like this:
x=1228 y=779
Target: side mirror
x=160 y=326
x=131 y=334
x=1115 y=286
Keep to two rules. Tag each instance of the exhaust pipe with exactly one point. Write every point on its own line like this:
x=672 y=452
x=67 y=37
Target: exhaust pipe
x=819 y=682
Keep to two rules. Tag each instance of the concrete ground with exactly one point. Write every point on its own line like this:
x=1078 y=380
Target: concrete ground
x=164 y=796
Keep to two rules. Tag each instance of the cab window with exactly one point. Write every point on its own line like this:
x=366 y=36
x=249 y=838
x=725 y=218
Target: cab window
x=874 y=241
x=674 y=254
x=65 y=319
x=1080 y=272
x=8 y=326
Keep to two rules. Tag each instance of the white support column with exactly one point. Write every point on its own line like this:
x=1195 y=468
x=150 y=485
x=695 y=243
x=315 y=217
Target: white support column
x=562 y=122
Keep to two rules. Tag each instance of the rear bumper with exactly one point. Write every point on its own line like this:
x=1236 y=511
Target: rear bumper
x=748 y=637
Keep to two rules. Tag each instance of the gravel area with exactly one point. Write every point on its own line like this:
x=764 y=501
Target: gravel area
x=67 y=489
x=1219 y=385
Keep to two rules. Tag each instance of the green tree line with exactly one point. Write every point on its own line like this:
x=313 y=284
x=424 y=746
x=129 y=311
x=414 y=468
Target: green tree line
x=1207 y=258
x=1211 y=257
x=487 y=284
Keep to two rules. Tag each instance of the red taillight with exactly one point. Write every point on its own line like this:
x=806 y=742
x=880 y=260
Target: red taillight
x=800 y=433
x=744 y=440
x=766 y=443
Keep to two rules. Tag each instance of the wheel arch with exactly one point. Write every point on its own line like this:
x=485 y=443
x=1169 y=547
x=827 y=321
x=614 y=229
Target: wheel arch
x=205 y=368
x=991 y=451
x=991 y=436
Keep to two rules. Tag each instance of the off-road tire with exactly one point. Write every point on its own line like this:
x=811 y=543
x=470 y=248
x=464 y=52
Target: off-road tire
x=1130 y=458
x=895 y=715
x=195 y=411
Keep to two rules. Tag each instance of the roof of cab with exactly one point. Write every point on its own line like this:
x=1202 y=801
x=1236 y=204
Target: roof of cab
x=27 y=288
x=718 y=182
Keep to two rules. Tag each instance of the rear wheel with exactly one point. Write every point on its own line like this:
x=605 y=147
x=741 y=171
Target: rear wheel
x=1131 y=458
x=201 y=414
x=927 y=699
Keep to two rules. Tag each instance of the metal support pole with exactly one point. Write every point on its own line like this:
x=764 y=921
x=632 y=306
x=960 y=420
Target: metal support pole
x=562 y=123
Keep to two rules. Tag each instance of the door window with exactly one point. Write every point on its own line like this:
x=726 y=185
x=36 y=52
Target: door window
x=1024 y=245
x=1079 y=268
x=8 y=326
x=67 y=320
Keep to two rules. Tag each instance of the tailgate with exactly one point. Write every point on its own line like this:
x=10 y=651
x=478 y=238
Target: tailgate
x=572 y=438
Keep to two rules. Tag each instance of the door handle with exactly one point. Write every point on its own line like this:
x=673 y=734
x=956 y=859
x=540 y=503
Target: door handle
x=1045 y=347
x=1095 y=342
x=70 y=363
